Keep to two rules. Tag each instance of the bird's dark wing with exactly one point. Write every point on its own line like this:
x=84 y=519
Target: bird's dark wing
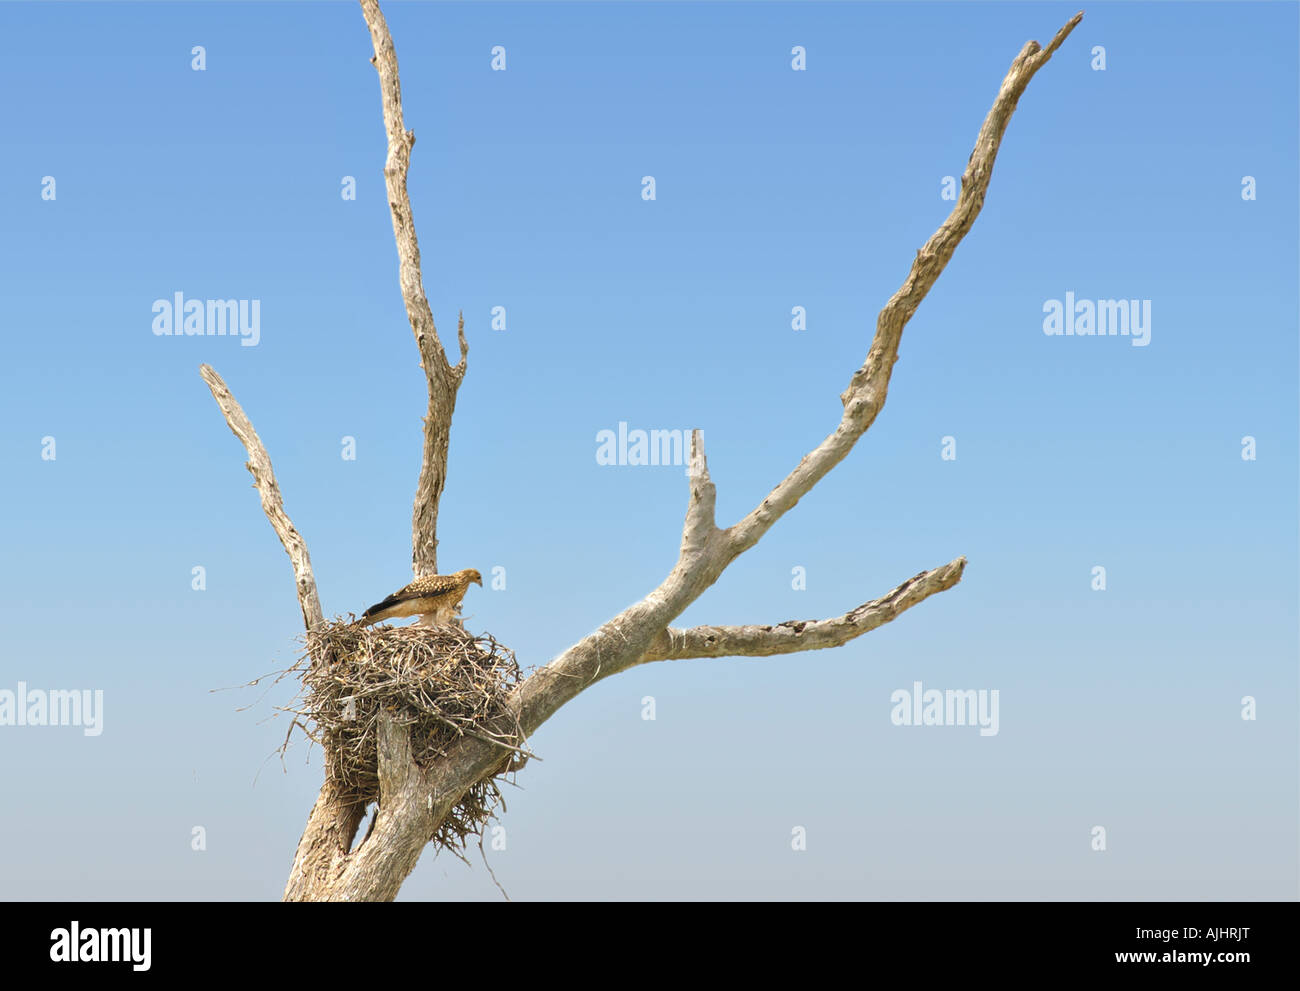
x=392 y=600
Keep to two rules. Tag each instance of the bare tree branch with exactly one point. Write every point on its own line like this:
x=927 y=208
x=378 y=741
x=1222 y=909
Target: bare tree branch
x=699 y=528
x=623 y=640
x=865 y=396
x=443 y=378
x=797 y=635
x=259 y=464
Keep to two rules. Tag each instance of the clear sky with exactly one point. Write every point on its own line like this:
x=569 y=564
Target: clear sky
x=1120 y=708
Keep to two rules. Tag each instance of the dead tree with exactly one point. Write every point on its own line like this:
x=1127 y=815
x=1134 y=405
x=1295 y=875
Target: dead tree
x=413 y=799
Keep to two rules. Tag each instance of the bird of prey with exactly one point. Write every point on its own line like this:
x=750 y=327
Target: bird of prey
x=434 y=599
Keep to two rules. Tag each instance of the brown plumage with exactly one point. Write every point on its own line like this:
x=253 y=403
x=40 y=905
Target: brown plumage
x=434 y=599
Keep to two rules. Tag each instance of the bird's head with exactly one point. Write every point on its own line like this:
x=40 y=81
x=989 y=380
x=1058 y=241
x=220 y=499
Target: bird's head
x=472 y=575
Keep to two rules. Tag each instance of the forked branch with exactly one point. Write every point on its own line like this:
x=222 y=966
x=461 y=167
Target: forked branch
x=626 y=639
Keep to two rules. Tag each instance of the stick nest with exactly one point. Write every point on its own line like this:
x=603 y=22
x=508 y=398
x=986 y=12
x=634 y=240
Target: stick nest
x=442 y=682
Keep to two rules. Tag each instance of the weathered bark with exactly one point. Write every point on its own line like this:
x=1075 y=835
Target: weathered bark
x=259 y=465
x=413 y=800
x=443 y=377
x=798 y=635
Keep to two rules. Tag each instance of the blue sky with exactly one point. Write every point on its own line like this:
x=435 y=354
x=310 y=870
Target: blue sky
x=775 y=189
